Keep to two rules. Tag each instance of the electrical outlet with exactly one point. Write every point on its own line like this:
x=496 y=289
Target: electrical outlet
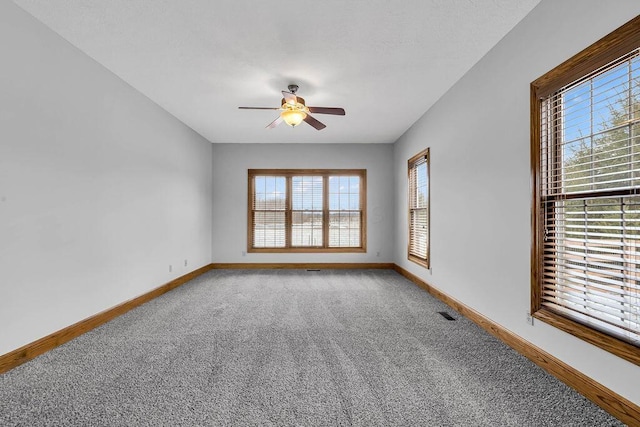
x=244 y=253
x=529 y=318
x=378 y=253
x=170 y=268
x=185 y=262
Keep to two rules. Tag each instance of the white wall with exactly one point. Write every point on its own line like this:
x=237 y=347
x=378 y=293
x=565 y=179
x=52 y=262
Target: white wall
x=100 y=189
x=480 y=179
x=230 y=165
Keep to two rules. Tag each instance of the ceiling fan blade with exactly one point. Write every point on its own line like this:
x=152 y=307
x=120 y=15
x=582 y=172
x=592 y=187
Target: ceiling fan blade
x=274 y=123
x=315 y=123
x=259 y=108
x=327 y=110
x=289 y=97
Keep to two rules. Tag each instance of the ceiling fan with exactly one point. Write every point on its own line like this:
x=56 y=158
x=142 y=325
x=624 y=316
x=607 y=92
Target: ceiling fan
x=294 y=111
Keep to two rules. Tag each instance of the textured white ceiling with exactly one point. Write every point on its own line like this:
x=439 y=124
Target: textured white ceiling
x=385 y=62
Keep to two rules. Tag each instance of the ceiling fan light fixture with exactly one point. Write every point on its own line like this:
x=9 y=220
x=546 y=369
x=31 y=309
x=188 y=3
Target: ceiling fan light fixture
x=293 y=117
x=293 y=111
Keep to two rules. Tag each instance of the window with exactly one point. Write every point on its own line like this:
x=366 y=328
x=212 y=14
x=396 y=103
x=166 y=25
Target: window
x=419 y=208
x=307 y=210
x=586 y=214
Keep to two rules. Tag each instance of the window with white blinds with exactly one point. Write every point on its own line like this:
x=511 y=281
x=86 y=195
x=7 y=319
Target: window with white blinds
x=418 y=167
x=296 y=210
x=345 y=213
x=269 y=210
x=307 y=211
x=586 y=265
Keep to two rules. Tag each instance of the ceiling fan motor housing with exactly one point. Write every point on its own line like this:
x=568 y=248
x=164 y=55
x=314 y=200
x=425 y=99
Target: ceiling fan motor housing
x=299 y=105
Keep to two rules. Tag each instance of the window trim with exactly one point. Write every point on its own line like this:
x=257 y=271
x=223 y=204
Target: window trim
x=325 y=173
x=424 y=262
x=609 y=48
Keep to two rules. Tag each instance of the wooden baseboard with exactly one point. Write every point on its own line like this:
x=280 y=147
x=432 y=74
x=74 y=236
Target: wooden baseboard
x=320 y=265
x=621 y=408
x=24 y=354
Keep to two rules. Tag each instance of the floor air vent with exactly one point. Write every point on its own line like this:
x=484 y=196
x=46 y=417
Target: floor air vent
x=446 y=315
x=313 y=269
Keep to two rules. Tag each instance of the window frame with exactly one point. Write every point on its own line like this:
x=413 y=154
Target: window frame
x=325 y=173
x=618 y=43
x=411 y=163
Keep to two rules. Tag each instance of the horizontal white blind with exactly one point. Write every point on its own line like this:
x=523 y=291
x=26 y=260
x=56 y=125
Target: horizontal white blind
x=269 y=211
x=345 y=214
x=307 y=211
x=595 y=123
x=419 y=207
x=418 y=234
x=590 y=163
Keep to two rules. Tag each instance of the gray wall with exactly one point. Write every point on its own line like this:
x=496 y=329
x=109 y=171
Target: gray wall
x=480 y=179
x=230 y=165
x=100 y=189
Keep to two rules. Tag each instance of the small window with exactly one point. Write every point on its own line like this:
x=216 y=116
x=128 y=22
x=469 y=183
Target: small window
x=586 y=167
x=299 y=210
x=419 y=208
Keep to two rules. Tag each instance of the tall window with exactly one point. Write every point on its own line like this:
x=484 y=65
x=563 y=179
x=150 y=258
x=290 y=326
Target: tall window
x=296 y=210
x=419 y=208
x=586 y=163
